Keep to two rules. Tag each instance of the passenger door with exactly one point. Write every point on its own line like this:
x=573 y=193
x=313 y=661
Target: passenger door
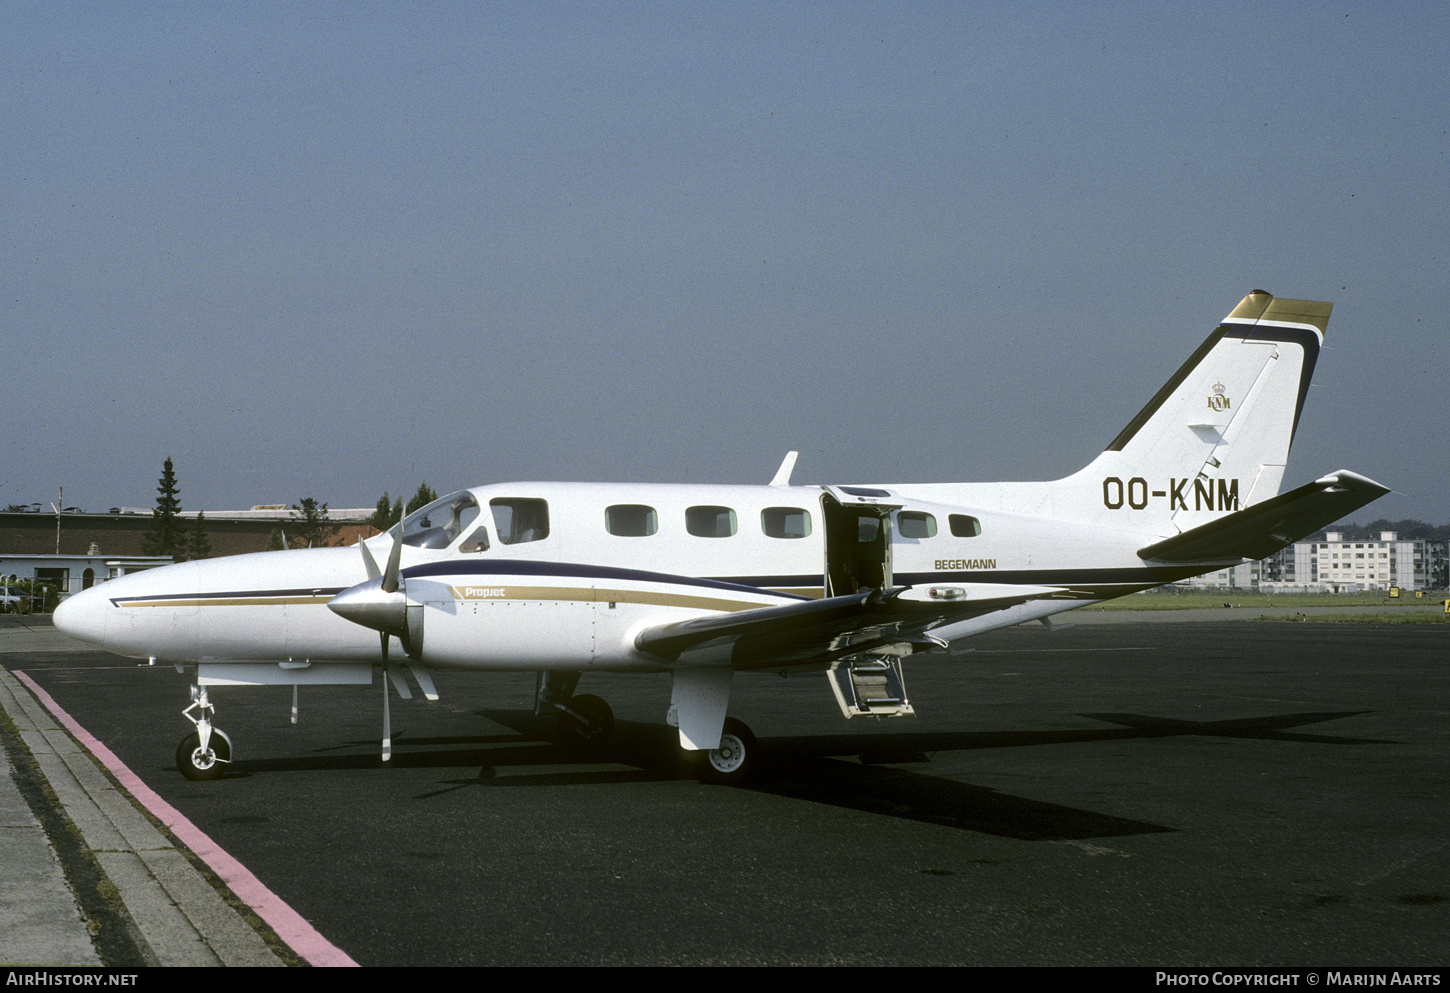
x=857 y=522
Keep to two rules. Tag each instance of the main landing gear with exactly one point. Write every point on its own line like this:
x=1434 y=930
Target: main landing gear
x=733 y=760
x=204 y=753
x=584 y=721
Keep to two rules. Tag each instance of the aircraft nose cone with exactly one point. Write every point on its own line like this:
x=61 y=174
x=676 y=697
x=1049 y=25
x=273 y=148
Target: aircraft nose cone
x=83 y=616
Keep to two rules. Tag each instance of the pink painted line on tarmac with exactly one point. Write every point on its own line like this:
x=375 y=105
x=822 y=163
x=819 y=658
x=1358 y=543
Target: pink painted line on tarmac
x=288 y=925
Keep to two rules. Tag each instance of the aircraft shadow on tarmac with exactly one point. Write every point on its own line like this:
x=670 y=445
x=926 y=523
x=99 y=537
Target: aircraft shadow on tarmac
x=1265 y=728
x=813 y=768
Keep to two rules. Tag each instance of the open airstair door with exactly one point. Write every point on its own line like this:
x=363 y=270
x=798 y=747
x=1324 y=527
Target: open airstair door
x=858 y=558
x=858 y=538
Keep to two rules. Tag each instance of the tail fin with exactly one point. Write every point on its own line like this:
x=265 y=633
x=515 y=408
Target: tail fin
x=1216 y=437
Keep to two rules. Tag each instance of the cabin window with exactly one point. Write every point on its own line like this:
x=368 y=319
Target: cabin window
x=631 y=520
x=520 y=519
x=915 y=524
x=963 y=526
x=710 y=522
x=867 y=529
x=785 y=522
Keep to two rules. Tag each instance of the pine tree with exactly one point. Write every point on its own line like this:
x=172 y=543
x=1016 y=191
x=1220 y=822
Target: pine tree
x=425 y=495
x=166 y=536
x=386 y=514
x=314 y=530
x=198 y=543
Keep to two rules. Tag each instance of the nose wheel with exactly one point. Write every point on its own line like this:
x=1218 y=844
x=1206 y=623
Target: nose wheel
x=198 y=763
x=204 y=753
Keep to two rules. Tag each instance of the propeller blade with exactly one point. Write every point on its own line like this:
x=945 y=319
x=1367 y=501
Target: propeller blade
x=369 y=563
x=387 y=711
x=395 y=557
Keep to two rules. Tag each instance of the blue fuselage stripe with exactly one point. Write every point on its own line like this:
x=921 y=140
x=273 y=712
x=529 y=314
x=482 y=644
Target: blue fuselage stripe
x=1144 y=576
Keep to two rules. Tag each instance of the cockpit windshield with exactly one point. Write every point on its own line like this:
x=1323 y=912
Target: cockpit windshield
x=440 y=522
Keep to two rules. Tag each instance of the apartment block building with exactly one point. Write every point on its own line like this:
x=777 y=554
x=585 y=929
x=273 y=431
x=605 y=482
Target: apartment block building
x=1333 y=565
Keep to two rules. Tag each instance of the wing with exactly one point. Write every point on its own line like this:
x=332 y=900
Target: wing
x=821 y=631
x=1261 y=530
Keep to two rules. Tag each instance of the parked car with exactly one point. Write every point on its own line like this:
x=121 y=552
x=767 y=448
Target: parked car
x=14 y=600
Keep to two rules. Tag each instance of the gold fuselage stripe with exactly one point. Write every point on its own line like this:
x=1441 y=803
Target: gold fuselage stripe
x=589 y=594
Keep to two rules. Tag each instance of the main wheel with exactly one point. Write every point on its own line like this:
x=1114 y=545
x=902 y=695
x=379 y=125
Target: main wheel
x=587 y=723
x=202 y=765
x=733 y=760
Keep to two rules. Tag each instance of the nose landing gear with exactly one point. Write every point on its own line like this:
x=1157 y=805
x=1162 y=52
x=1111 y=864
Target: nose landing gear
x=204 y=753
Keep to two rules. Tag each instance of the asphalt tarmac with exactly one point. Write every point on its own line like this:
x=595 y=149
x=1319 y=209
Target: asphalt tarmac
x=1217 y=793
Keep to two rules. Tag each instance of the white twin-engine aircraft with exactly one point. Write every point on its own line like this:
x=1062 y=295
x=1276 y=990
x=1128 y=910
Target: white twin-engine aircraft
x=702 y=581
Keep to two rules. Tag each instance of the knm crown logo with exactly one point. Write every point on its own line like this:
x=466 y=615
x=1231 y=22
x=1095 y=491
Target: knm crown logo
x=1216 y=399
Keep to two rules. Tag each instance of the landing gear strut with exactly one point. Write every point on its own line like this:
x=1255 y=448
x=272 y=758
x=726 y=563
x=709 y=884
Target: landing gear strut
x=204 y=753
x=585 y=721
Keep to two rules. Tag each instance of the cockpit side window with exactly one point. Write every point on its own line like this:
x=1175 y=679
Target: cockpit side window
x=476 y=542
x=439 y=523
x=520 y=519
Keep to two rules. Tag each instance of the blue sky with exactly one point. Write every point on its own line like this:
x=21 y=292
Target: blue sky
x=331 y=249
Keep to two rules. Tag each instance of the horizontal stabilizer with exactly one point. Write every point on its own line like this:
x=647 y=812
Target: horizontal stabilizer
x=821 y=631
x=1261 y=530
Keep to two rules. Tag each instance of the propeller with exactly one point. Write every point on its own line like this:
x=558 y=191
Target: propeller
x=381 y=603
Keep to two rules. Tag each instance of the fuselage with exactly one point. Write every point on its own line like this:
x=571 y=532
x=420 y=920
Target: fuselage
x=563 y=575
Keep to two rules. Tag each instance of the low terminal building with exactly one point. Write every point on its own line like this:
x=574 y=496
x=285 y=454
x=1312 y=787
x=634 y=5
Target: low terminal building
x=76 y=550
x=67 y=574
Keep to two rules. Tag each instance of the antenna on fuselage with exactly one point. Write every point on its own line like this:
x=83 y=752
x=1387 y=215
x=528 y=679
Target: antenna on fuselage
x=787 y=466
